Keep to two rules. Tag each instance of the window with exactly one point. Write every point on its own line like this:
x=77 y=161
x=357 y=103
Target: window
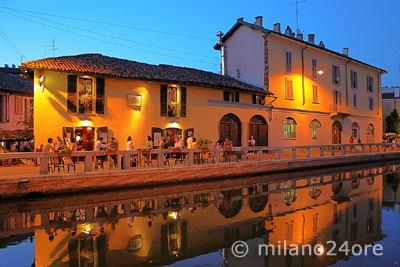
x=231 y=96
x=289 y=125
x=259 y=99
x=335 y=74
x=355 y=130
x=3 y=108
x=314 y=68
x=354 y=79
x=172 y=94
x=388 y=107
x=288 y=89
x=337 y=98
x=371 y=204
x=370 y=84
x=370 y=225
x=19 y=105
x=370 y=103
x=315 y=93
x=28 y=110
x=85 y=95
x=290 y=194
x=355 y=102
x=289 y=231
x=288 y=61
x=315 y=223
x=314 y=125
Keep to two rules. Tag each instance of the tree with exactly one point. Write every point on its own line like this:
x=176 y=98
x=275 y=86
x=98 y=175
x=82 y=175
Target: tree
x=393 y=122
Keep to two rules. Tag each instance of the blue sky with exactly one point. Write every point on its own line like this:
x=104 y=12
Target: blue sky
x=183 y=32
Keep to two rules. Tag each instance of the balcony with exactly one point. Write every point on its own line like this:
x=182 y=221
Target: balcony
x=340 y=111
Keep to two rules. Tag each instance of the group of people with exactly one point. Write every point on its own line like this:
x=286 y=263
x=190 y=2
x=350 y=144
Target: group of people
x=351 y=140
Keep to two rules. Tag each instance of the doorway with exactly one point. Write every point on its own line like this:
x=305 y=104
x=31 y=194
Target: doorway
x=231 y=127
x=259 y=130
x=336 y=133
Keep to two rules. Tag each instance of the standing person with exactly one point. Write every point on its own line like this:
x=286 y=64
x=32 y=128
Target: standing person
x=129 y=144
x=351 y=140
x=149 y=143
x=189 y=142
x=359 y=140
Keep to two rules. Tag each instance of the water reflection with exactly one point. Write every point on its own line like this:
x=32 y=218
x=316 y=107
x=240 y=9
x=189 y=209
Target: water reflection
x=159 y=229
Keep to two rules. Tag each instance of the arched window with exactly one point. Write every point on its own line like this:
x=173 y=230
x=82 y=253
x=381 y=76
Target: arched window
x=370 y=133
x=289 y=125
x=314 y=125
x=355 y=130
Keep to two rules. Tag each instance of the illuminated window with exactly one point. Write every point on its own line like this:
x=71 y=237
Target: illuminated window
x=370 y=84
x=288 y=61
x=289 y=125
x=85 y=95
x=314 y=125
x=289 y=196
x=288 y=89
x=314 y=67
x=172 y=94
x=315 y=93
x=354 y=79
x=335 y=74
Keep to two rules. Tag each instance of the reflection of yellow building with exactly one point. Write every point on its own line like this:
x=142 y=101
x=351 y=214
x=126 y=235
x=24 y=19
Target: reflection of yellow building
x=323 y=96
x=166 y=229
x=90 y=96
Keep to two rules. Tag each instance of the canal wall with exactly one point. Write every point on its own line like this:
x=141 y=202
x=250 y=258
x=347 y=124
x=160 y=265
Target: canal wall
x=96 y=181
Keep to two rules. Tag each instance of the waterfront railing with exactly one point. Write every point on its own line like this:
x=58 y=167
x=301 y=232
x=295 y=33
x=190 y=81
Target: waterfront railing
x=33 y=163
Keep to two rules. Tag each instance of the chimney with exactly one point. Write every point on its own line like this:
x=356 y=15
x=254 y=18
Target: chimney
x=259 y=21
x=239 y=19
x=13 y=65
x=6 y=66
x=222 y=49
x=277 y=27
x=288 y=31
x=321 y=44
x=311 y=38
x=300 y=36
x=345 y=51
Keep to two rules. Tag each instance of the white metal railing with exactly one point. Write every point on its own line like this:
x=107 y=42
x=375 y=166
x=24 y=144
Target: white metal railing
x=161 y=158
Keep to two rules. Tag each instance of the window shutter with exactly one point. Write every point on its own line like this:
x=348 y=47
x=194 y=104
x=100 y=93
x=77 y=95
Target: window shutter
x=237 y=97
x=254 y=99
x=72 y=97
x=100 y=95
x=183 y=101
x=163 y=99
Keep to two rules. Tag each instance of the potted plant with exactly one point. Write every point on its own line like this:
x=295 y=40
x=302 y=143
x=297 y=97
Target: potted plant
x=172 y=109
x=66 y=152
x=202 y=144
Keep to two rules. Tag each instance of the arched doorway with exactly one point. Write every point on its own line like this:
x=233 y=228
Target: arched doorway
x=259 y=130
x=231 y=127
x=336 y=133
x=370 y=133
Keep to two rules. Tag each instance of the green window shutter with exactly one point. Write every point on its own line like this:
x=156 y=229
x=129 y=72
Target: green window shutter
x=71 y=93
x=163 y=99
x=100 y=89
x=183 y=101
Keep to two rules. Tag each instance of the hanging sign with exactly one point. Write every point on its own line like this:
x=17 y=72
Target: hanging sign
x=134 y=101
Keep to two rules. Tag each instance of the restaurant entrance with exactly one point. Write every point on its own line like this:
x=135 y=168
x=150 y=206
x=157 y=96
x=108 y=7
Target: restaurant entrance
x=84 y=138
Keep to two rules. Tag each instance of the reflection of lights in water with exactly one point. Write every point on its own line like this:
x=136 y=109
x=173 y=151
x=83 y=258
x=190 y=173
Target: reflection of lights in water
x=173 y=215
x=320 y=249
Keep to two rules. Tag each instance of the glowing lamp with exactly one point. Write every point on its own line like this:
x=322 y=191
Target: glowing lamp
x=173 y=125
x=173 y=215
x=42 y=78
x=320 y=71
x=86 y=123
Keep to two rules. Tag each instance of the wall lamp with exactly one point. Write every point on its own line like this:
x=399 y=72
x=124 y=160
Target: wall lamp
x=42 y=79
x=320 y=71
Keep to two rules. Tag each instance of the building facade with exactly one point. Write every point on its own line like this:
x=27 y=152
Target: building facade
x=390 y=101
x=323 y=97
x=16 y=108
x=91 y=96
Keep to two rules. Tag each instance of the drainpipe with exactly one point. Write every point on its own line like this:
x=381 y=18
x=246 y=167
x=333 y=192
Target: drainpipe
x=347 y=86
x=302 y=74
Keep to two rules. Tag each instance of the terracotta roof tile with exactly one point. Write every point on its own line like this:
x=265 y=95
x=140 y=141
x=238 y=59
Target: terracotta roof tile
x=116 y=67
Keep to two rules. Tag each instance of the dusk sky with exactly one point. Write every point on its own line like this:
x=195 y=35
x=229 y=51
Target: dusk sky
x=183 y=32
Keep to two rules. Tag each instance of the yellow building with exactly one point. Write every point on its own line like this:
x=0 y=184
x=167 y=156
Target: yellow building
x=91 y=95
x=323 y=96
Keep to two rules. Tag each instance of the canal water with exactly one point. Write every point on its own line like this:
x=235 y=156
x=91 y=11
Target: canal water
x=342 y=217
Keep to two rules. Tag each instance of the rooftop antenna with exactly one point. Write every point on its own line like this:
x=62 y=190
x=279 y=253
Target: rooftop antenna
x=297 y=13
x=53 y=46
